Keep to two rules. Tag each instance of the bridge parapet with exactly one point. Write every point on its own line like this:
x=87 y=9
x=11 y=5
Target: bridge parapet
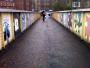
x=13 y=23
x=77 y=21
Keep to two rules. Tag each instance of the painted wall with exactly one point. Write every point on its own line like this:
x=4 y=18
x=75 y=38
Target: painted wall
x=16 y=20
x=78 y=22
x=23 y=21
x=1 y=34
x=12 y=24
x=64 y=19
x=8 y=29
x=28 y=20
x=87 y=26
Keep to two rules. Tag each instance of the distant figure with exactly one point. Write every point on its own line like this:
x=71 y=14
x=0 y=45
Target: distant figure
x=43 y=15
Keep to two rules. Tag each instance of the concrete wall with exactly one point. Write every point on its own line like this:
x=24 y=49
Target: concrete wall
x=77 y=21
x=12 y=24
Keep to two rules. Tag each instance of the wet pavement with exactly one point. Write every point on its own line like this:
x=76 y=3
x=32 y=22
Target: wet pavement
x=46 y=45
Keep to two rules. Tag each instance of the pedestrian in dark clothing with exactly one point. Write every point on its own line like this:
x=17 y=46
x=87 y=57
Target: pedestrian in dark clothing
x=43 y=15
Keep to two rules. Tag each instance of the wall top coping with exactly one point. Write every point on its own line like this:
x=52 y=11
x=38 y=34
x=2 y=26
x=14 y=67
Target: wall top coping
x=77 y=10
x=12 y=10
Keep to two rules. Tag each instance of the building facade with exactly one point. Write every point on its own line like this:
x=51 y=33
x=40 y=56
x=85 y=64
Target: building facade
x=85 y=3
x=41 y=4
x=7 y=4
x=16 y=4
x=81 y=3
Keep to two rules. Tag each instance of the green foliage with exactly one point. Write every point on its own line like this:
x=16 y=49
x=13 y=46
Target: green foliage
x=61 y=6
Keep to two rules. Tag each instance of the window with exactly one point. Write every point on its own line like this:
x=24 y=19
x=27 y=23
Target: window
x=88 y=4
x=76 y=4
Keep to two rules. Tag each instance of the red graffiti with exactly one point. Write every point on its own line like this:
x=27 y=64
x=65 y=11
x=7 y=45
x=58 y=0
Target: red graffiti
x=88 y=26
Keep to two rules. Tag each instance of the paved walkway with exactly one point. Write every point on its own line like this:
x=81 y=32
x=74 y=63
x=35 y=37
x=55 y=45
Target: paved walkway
x=46 y=45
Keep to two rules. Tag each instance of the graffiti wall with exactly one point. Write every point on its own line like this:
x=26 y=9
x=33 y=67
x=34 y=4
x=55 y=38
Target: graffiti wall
x=28 y=20
x=12 y=24
x=61 y=18
x=1 y=35
x=70 y=21
x=32 y=18
x=8 y=29
x=16 y=19
x=78 y=23
x=58 y=17
x=65 y=19
x=87 y=26
x=23 y=21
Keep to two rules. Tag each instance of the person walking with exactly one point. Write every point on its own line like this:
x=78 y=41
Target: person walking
x=43 y=15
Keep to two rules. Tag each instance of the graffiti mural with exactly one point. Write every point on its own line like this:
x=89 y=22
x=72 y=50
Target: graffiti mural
x=23 y=21
x=61 y=18
x=70 y=20
x=8 y=28
x=1 y=36
x=28 y=20
x=16 y=24
x=65 y=19
x=77 y=23
x=16 y=17
x=87 y=26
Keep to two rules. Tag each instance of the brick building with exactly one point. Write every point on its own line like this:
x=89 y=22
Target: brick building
x=7 y=4
x=16 y=4
x=82 y=3
x=85 y=3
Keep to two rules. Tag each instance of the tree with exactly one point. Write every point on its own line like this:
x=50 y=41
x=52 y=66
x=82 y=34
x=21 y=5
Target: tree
x=57 y=6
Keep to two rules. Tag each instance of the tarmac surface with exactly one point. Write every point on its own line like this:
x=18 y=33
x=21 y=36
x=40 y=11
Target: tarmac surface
x=46 y=45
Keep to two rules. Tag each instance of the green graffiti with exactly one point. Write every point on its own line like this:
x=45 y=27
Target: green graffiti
x=77 y=20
